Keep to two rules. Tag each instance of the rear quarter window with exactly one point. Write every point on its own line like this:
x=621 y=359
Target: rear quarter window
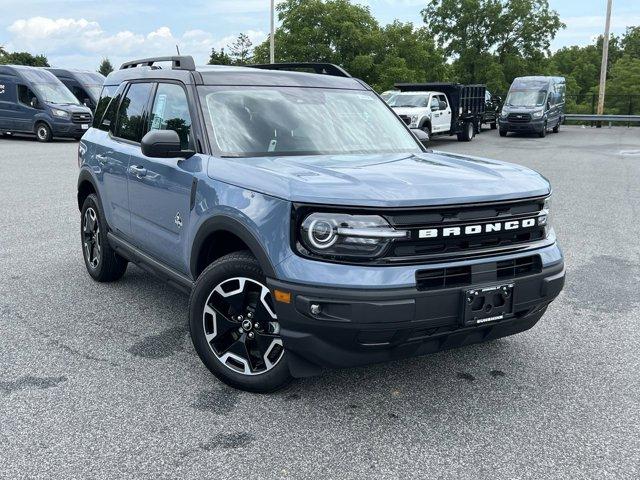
x=107 y=94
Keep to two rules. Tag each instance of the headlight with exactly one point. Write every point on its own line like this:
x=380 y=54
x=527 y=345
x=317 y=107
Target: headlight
x=414 y=120
x=343 y=235
x=545 y=214
x=503 y=113
x=537 y=114
x=60 y=113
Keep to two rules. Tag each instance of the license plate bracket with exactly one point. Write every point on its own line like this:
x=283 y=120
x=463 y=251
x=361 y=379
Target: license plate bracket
x=487 y=304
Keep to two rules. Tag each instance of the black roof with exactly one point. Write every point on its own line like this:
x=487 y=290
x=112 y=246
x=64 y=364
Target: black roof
x=183 y=69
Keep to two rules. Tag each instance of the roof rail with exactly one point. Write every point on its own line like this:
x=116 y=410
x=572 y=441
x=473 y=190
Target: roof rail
x=321 y=68
x=182 y=62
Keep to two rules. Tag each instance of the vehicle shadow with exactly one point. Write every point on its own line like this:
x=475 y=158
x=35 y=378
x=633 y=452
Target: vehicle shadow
x=32 y=138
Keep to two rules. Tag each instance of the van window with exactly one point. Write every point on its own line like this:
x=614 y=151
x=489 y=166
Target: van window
x=443 y=99
x=106 y=96
x=171 y=112
x=131 y=115
x=25 y=94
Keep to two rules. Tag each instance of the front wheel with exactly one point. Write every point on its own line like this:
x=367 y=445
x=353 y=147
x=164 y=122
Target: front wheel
x=543 y=132
x=234 y=327
x=43 y=132
x=503 y=133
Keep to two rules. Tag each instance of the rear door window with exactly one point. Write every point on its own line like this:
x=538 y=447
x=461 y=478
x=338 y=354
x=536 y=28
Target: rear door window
x=133 y=112
x=171 y=112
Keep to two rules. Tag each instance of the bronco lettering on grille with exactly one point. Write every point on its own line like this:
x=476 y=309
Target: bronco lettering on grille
x=475 y=229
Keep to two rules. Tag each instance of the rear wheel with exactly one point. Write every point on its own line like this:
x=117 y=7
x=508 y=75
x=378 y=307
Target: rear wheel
x=43 y=132
x=102 y=262
x=234 y=327
x=468 y=132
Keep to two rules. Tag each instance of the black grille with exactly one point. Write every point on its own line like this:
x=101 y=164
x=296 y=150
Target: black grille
x=79 y=117
x=456 y=220
x=519 y=117
x=466 y=275
x=406 y=119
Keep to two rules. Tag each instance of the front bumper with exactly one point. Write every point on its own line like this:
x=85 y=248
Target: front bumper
x=531 y=126
x=67 y=128
x=363 y=326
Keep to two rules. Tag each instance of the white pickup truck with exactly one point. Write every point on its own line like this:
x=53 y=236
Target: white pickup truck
x=452 y=109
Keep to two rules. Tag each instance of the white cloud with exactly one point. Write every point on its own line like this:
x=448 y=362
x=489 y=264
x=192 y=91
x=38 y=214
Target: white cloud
x=84 y=42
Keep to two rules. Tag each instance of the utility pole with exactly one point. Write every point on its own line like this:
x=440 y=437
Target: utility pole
x=605 y=54
x=272 y=42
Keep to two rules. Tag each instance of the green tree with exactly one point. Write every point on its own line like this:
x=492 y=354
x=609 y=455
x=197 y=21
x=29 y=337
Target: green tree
x=623 y=88
x=105 y=67
x=240 y=51
x=630 y=42
x=517 y=31
x=219 y=58
x=337 y=31
x=24 y=58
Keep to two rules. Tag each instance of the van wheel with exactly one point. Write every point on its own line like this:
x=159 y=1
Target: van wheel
x=556 y=129
x=102 y=262
x=543 y=132
x=43 y=132
x=234 y=327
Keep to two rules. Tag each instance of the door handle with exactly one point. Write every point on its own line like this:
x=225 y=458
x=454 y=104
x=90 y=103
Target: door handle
x=138 y=171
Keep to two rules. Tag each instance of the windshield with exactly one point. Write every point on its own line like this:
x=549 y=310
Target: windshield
x=273 y=121
x=526 y=98
x=409 y=100
x=93 y=91
x=55 y=93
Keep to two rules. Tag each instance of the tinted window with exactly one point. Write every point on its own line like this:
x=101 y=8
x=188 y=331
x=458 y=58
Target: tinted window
x=101 y=120
x=434 y=102
x=131 y=115
x=171 y=112
x=25 y=94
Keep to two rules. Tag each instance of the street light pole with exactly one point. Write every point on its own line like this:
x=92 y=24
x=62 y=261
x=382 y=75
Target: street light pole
x=605 y=54
x=272 y=47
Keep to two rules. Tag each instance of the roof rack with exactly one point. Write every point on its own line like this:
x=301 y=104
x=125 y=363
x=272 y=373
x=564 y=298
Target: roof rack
x=321 y=68
x=182 y=62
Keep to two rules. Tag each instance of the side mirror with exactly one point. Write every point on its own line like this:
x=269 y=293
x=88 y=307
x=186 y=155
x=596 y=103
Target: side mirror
x=442 y=105
x=163 y=144
x=86 y=102
x=420 y=135
x=435 y=108
x=33 y=102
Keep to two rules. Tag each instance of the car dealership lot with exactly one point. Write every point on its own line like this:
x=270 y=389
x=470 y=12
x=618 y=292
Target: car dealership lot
x=101 y=381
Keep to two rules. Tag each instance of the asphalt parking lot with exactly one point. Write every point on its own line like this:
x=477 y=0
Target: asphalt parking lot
x=101 y=381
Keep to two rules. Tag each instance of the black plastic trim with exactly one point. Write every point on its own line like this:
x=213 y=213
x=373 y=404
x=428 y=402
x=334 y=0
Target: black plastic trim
x=137 y=256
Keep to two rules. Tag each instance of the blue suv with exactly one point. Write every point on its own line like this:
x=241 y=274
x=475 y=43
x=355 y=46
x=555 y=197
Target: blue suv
x=309 y=225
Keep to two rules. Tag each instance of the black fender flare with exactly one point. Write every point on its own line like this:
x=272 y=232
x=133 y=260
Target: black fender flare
x=225 y=223
x=425 y=121
x=85 y=176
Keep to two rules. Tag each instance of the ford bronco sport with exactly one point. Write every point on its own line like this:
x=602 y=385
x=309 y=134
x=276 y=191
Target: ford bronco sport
x=309 y=225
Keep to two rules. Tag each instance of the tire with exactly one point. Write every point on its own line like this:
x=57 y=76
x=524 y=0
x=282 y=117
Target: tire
x=467 y=133
x=493 y=125
x=426 y=128
x=43 y=132
x=503 y=133
x=228 y=296
x=543 y=133
x=556 y=129
x=102 y=262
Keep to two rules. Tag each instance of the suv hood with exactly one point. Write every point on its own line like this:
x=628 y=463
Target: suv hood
x=391 y=180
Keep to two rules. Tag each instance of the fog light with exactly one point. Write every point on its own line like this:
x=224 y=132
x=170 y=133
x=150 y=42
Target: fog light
x=315 y=309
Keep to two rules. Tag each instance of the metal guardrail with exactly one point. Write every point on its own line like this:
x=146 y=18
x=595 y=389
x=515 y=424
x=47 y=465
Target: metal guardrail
x=586 y=117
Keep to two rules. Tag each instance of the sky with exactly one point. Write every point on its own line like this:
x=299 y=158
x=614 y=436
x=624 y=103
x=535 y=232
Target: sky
x=79 y=33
